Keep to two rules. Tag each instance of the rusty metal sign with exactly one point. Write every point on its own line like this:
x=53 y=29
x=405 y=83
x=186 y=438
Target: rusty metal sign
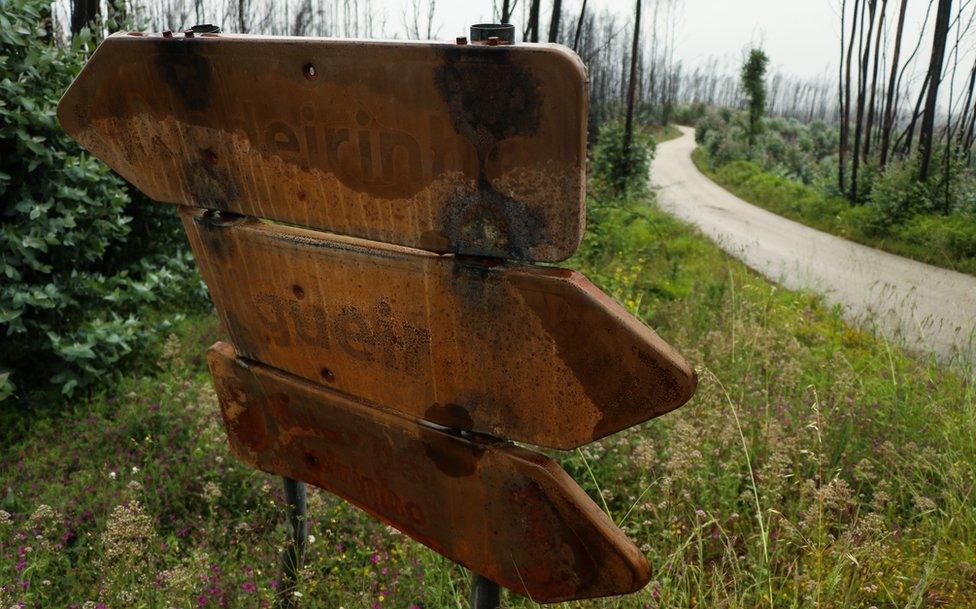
x=510 y=514
x=471 y=149
x=535 y=354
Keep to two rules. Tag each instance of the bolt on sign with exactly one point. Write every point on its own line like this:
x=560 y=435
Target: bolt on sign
x=366 y=215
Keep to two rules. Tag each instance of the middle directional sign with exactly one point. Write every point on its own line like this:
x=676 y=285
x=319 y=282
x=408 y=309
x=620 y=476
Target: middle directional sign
x=535 y=354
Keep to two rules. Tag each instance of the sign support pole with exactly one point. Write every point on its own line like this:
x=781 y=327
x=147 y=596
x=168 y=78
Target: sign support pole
x=294 y=553
x=485 y=594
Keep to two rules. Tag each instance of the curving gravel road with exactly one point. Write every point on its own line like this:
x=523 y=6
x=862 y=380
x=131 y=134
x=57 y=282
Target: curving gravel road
x=931 y=309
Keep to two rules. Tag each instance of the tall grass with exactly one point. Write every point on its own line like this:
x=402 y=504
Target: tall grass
x=818 y=466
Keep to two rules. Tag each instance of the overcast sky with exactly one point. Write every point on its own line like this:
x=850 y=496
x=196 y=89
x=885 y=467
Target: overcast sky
x=800 y=36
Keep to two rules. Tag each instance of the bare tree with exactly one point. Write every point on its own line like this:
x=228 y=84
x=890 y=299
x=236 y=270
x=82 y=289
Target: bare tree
x=861 y=91
x=632 y=84
x=579 y=26
x=532 y=30
x=845 y=120
x=940 y=36
x=874 y=82
x=83 y=12
x=889 y=106
x=557 y=9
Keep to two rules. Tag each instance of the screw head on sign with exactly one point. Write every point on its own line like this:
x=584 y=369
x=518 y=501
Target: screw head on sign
x=310 y=72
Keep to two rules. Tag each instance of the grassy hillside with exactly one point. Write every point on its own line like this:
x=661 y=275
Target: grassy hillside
x=817 y=467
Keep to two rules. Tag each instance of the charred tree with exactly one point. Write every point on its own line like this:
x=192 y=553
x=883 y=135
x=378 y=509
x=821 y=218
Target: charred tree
x=940 y=36
x=889 y=106
x=632 y=87
x=533 y=26
x=874 y=82
x=579 y=27
x=83 y=12
x=861 y=90
x=845 y=120
x=557 y=10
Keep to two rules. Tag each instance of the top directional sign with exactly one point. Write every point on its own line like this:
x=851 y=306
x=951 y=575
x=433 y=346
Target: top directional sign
x=471 y=149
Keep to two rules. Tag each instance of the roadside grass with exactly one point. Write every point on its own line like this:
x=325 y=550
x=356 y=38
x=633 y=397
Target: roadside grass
x=944 y=241
x=818 y=466
x=663 y=133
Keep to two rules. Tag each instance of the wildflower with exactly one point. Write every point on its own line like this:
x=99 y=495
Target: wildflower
x=211 y=492
x=88 y=605
x=5 y=518
x=134 y=485
x=311 y=539
x=135 y=470
x=297 y=594
x=128 y=532
x=112 y=475
x=42 y=515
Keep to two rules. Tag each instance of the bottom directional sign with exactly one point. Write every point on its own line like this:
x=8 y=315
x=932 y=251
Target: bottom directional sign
x=510 y=514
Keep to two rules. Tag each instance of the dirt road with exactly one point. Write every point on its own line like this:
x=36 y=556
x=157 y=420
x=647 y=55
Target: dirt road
x=929 y=308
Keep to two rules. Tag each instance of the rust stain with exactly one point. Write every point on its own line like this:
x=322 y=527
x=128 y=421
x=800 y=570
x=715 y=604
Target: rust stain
x=508 y=513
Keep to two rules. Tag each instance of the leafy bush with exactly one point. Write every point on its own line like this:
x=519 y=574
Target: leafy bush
x=615 y=170
x=76 y=273
x=951 y=237
x=907 y=225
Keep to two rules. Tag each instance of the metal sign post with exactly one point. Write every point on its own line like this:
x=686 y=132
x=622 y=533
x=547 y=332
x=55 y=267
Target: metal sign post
x=367 y=216
x=293 y=556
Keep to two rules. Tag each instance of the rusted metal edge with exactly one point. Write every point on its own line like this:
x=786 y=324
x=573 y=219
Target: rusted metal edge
x=534 y=354
x=507 y=513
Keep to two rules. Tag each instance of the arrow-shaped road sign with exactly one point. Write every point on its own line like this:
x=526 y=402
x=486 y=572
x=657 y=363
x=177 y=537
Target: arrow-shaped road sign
x=471 y=149
x=535 y=354
x=510 y=514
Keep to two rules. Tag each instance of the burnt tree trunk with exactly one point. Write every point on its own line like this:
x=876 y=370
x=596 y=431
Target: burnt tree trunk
x=83 y=12
x=874 y=82
x=861 y=90
x=926 y=131
x=579 y=27
x=557 y=9
x=845 y=122
x=534 y=21
x=890 y=110
x=632 y=87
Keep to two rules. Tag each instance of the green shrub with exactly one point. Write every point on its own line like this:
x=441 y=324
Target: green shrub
x=616 y=171
x=76 y=273
x=897 y=195
x=952 y=237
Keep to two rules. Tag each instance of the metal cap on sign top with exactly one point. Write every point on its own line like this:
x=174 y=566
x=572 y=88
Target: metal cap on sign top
x=504 y=32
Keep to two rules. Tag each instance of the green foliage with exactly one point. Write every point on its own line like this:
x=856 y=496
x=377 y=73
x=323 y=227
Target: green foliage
x=787 y=147
x=753 y=82
x=617 y=171
x=76 y=270
x=902 y=221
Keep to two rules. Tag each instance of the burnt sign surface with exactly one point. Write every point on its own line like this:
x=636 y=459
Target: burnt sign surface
x=470 y=149
x=510 y=514
x=535 y=354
